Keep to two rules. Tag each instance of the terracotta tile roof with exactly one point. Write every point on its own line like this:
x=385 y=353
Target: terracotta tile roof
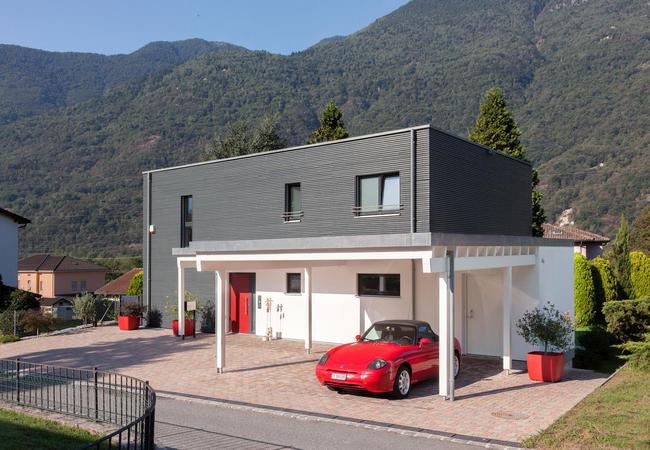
x=575 y=234
x=48 y=301
x=120 y=285
x=16 y=218
x=53 y=263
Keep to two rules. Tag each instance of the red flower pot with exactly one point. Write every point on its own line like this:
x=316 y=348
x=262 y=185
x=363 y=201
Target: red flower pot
x=128 y=322
x=189 y=327
x=545 y=366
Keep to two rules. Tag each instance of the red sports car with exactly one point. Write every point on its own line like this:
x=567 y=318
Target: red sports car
x=389 y=357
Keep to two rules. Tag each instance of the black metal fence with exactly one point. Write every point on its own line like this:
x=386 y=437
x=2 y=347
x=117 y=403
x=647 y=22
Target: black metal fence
x=124 y=401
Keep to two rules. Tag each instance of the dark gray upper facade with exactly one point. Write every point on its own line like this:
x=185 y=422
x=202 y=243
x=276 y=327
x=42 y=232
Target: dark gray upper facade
x=447 y=185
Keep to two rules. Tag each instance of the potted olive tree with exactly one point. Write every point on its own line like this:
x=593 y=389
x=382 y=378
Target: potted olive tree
x=129 y=318
x=171 y=310
x=551 y=329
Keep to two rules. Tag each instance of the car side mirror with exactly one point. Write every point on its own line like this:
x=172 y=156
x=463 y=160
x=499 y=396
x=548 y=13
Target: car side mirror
x=424 y=341
x=357 y=337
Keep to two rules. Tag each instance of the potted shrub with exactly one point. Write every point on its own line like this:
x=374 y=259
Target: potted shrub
x=171 y=309
x=548 y=327
x=129 y=319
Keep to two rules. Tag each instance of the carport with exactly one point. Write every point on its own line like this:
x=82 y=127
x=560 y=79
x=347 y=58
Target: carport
x=432 y=264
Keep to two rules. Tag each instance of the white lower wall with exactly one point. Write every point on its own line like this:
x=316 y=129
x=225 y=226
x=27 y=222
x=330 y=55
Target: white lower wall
x=339 y=313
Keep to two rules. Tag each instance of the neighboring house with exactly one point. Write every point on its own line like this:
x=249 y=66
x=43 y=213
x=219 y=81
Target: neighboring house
x=10 y=223
x=320 y=241
x=118 y=287
x=588 y=244
x=59 y=276
x=60 y=308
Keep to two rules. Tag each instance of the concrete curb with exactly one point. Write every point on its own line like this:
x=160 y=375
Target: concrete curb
x=318 y=417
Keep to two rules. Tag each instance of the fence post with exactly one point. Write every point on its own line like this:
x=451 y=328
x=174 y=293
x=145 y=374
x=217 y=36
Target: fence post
x=96 y=395
x=15 y=322
x=18 y=380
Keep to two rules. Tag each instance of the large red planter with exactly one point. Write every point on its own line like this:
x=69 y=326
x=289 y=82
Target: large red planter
x=189 y=327
x=545 y=366
x=128 y=322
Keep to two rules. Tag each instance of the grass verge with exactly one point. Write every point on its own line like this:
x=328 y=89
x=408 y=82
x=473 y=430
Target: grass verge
x=21 y=431
x=614 y=416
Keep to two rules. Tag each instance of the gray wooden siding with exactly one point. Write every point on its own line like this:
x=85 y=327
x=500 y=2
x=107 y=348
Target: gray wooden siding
x=460 y=189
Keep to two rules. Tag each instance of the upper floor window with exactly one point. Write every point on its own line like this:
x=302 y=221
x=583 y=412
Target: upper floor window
x=29 y=285
x=73 y=286
x=378 y=284
x=292 y=203
x=378 y=194
x=82 y=285
x=293 y=283
x=186 y=220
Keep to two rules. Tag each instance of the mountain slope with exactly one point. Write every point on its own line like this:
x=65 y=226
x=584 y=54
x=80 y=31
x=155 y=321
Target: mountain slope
x=578 y=99
x=34 y=81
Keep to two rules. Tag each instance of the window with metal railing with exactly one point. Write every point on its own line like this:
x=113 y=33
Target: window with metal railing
x=292 y=203
x=378 y=194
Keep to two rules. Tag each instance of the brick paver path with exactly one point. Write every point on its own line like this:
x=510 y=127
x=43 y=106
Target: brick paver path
x=489 y=403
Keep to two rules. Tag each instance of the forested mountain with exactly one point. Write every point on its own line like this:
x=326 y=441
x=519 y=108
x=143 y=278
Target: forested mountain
x=576 y=72
x=34 y=81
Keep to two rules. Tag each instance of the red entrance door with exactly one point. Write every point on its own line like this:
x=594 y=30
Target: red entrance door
x=240 y=302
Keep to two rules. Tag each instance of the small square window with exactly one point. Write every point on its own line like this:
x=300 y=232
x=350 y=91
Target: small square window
x=73 y=286
x=385 y=285
x=293 y=283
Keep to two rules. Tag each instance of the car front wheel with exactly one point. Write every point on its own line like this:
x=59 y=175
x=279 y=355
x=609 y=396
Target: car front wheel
x=402 y=384
x=456 y=365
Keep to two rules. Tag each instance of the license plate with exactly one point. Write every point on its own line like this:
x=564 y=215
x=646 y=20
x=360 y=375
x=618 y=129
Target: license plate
x=339 y=376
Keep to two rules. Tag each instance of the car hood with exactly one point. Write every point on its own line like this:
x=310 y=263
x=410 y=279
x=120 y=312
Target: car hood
x=358 y=355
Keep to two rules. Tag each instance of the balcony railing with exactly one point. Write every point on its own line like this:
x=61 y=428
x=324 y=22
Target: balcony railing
x=292 y=216
x=377 y=210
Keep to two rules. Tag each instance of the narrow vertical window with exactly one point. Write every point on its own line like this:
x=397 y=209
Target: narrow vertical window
x=186 y=220
x=378 y=194
x=82 y=285
x=73 y=286
x=292 y=203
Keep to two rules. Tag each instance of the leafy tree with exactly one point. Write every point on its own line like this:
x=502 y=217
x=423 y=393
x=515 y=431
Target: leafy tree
x=619 y=255
x=640 y=232
x=135 y=287
x=85 y=307
x=640 y=274
x=586 y=308
x=241 y=139
x=331 y=126
x=21 y=300
x=496 y=128
x=34 y=321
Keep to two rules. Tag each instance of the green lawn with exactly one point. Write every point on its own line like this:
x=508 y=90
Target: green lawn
x=614 y=416
x=21 y=431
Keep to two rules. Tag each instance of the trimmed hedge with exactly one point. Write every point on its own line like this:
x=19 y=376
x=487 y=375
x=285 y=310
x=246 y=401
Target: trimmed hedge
x=586 y=304
x=628 y=320
x=607 y=287
x=640 y=274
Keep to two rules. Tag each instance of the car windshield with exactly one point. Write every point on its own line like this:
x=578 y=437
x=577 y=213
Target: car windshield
x=390 y=332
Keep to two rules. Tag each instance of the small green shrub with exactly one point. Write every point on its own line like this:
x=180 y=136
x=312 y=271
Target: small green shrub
x=640 y=274
x=638 y=353
x=628 y=320
x=85 y=307
x=154 y=318
x=586 y=308
x=133 y=309
x=206 y=311
x=7 y=338
x=135 y=287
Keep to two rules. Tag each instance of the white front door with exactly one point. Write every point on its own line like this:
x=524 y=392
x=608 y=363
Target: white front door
x=483 y=313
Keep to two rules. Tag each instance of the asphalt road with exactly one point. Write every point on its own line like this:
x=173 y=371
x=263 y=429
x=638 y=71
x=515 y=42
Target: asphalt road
x=189 y=425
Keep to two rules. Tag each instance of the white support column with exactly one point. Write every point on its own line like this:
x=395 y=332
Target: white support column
x=226 y=309
x=307 y=277
x=507 y=319
x=220 y=331
x=181 y=299
x=446 y=329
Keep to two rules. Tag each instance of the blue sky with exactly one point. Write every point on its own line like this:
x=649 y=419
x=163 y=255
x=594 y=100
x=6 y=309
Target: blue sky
x=279 y=26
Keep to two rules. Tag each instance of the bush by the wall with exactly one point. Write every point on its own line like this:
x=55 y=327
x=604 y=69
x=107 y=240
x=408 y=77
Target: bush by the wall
x=628 y=320
x=154 y=318
x=607 y=287
x=640 y=274
x=135 y=287
x=638 y=353
x=586 y=308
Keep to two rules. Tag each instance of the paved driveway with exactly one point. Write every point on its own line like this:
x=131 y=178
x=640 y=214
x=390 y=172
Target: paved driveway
x=489 y=404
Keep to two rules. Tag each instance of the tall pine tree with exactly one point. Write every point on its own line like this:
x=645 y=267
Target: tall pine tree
x=331 y=126
x=496 y=128
x=619 y=255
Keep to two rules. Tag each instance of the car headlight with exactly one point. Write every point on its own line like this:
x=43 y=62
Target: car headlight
x=377 y=364
x=323 y=359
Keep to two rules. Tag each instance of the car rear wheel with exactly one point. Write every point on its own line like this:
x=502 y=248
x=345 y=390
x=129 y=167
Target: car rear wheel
x=456 y=365
x=402 y=384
